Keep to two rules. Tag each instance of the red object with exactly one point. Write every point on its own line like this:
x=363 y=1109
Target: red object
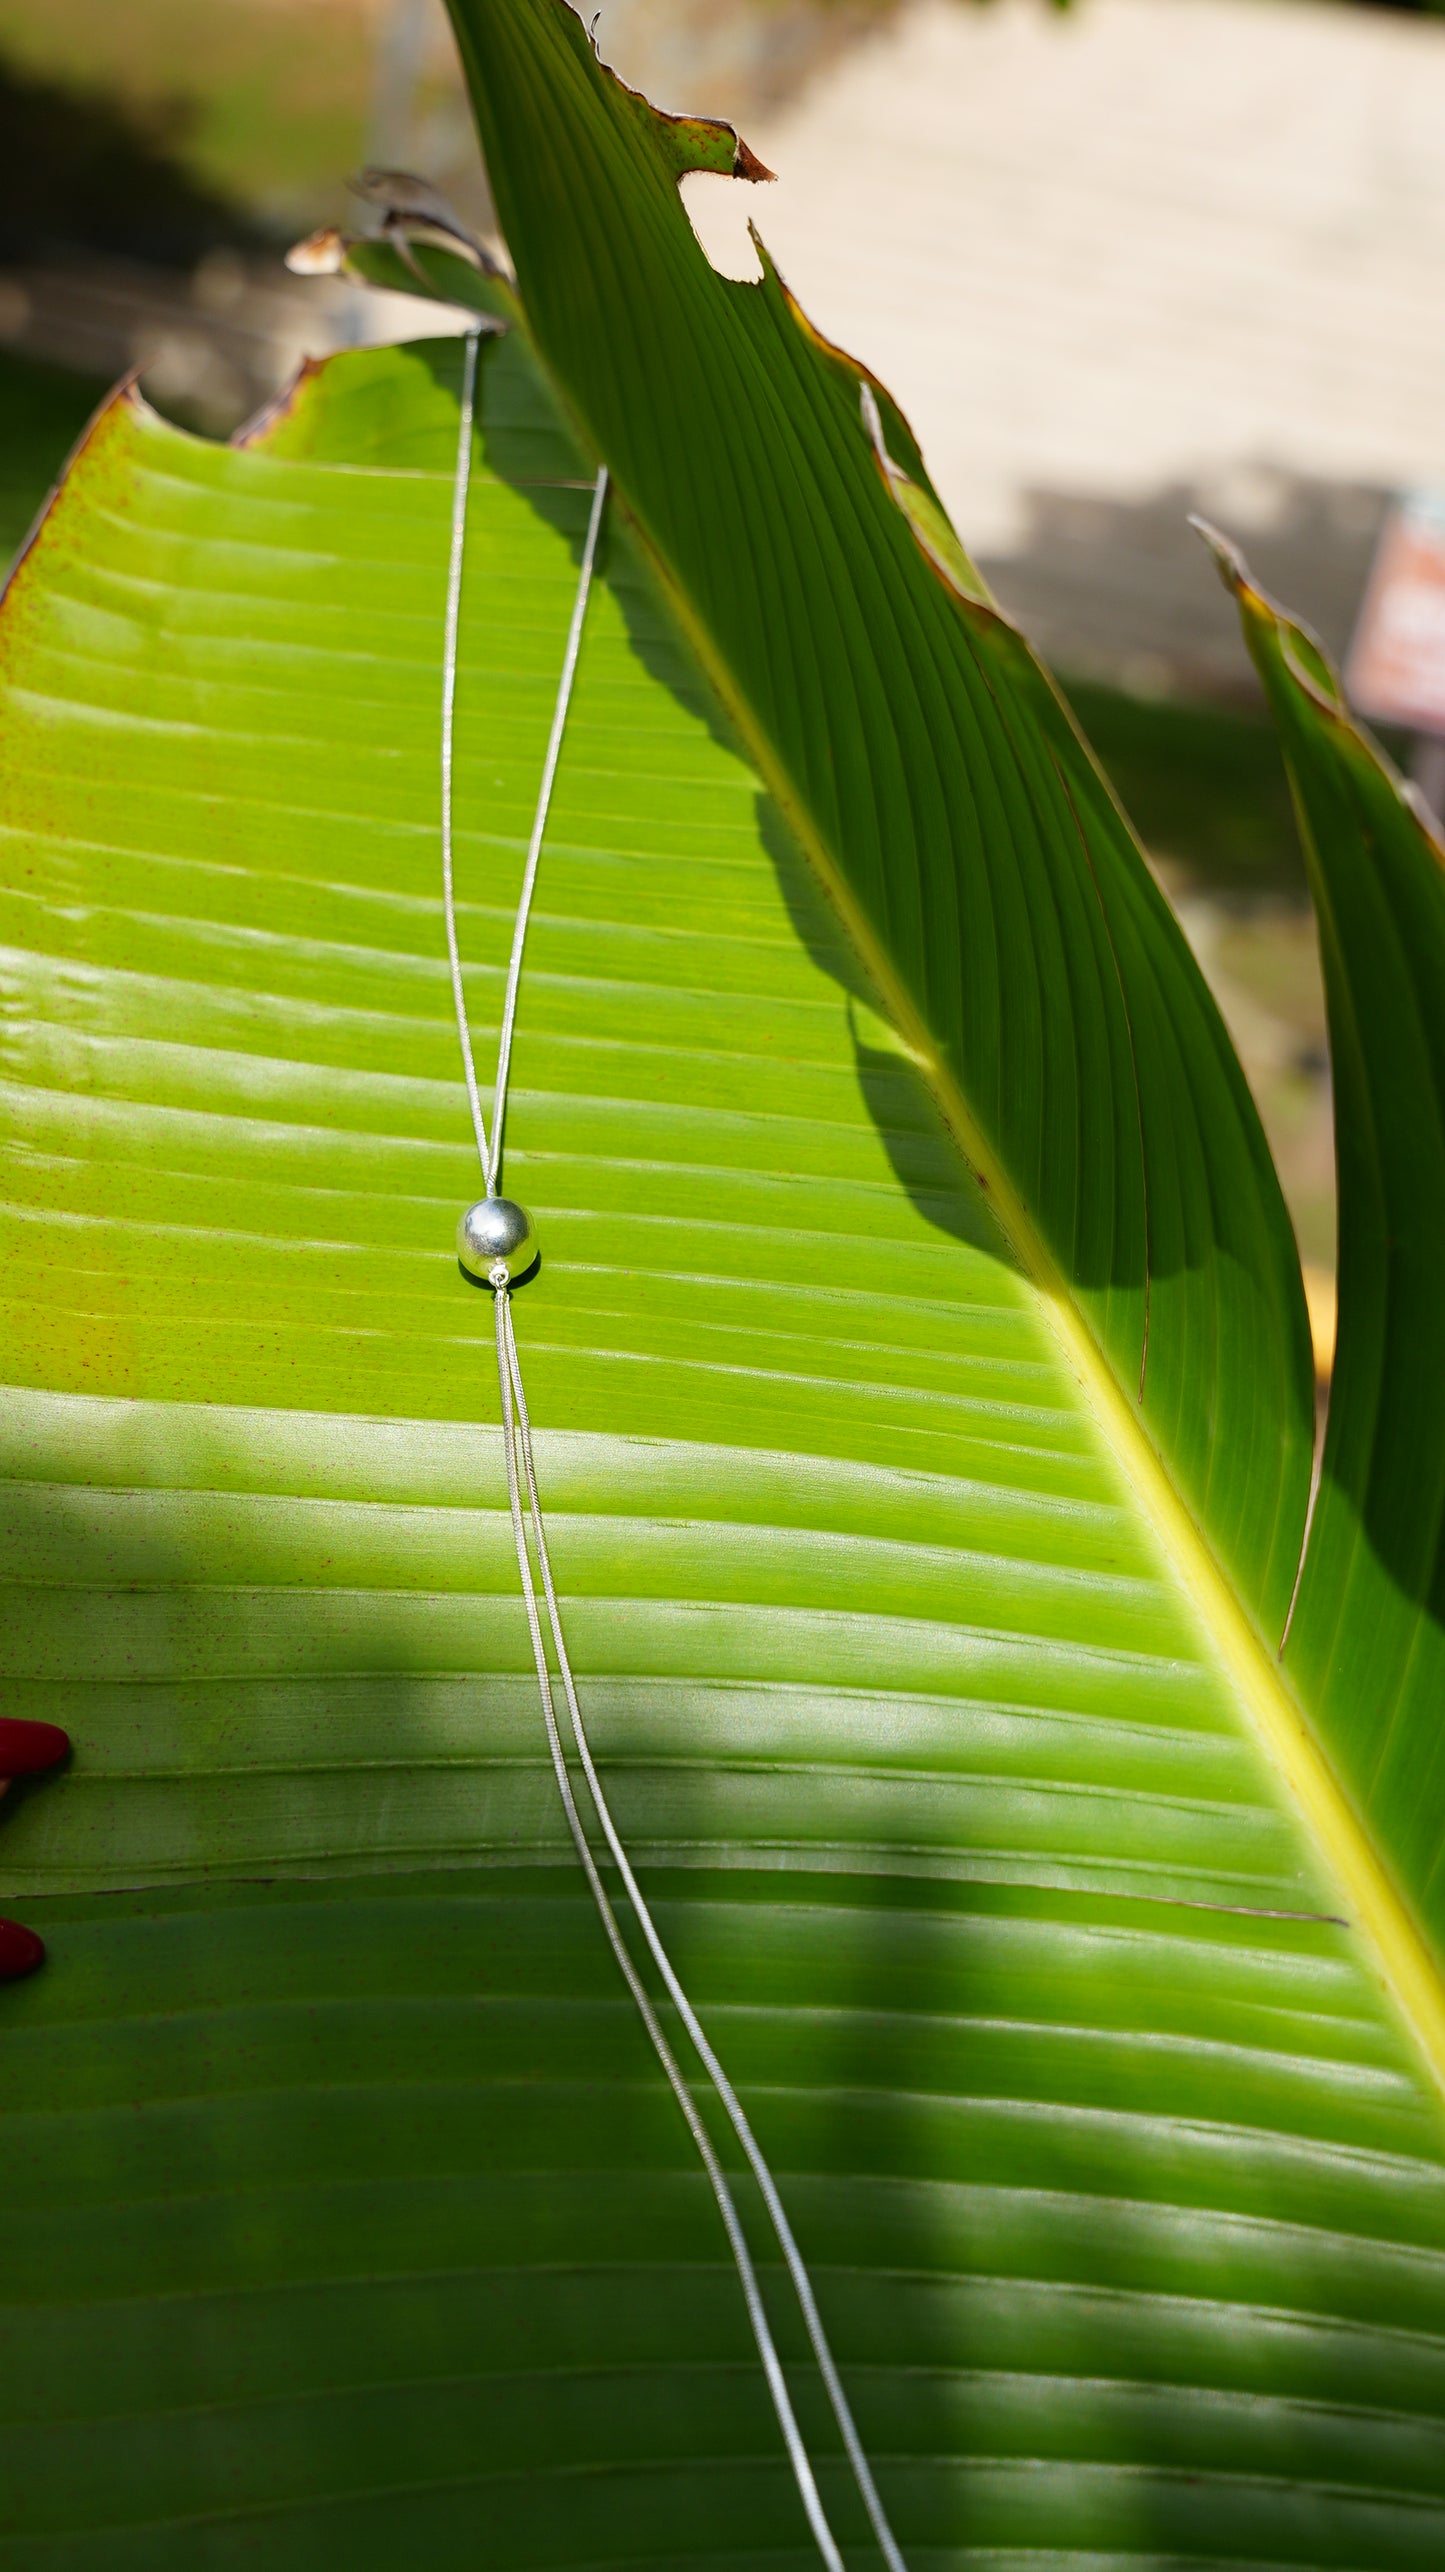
x=1396 y=671
x=25 y=1749
x=20 y=1951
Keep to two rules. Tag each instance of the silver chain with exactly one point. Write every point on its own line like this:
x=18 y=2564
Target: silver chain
x=521 y=1472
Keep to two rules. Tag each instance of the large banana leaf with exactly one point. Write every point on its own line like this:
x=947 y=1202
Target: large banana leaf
x=1365 y=1642
x=866 y=1100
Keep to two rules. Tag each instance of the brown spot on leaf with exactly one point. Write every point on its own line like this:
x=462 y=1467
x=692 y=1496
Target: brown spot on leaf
x=746 y=164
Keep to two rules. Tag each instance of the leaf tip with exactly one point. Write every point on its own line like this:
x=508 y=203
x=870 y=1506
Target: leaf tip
x=687 y=143
x=411 y=253
x=321 y=254
x=746 y=164
x=1302 y=652
x=1229 y=562
x=1284 y=649
x=406 y=202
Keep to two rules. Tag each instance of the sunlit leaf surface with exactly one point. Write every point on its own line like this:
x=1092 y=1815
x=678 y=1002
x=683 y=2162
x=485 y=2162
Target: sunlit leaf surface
x=349 y=2220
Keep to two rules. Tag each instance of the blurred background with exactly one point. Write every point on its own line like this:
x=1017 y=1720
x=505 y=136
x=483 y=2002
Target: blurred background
x=1118 y=262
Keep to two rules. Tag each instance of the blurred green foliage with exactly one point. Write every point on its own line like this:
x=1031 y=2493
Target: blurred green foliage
x=1203 y=785
x=42 y=412
x=256 y=104
x=84 y=171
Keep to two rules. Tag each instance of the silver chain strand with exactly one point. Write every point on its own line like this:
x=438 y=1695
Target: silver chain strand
x=539 y=825
x=490 y=1155
x=517 y=1440
x=461 y=486
x=737 y=2117
x=509 y=1377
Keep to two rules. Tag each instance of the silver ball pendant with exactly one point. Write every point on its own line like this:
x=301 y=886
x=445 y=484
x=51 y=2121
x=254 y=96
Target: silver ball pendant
x=496 y=1240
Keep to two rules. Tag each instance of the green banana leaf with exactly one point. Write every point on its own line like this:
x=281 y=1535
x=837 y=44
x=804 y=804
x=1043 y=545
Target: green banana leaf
x=881 y=1138
x=1365 y=1645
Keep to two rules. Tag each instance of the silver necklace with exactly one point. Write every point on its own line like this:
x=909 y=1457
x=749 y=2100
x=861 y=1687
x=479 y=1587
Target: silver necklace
x=497 y=1243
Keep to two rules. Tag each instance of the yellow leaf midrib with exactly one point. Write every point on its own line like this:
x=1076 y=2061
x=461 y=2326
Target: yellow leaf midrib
x=1370 y=1899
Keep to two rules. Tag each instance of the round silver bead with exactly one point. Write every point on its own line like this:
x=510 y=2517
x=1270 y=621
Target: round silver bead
x=496 y=1235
